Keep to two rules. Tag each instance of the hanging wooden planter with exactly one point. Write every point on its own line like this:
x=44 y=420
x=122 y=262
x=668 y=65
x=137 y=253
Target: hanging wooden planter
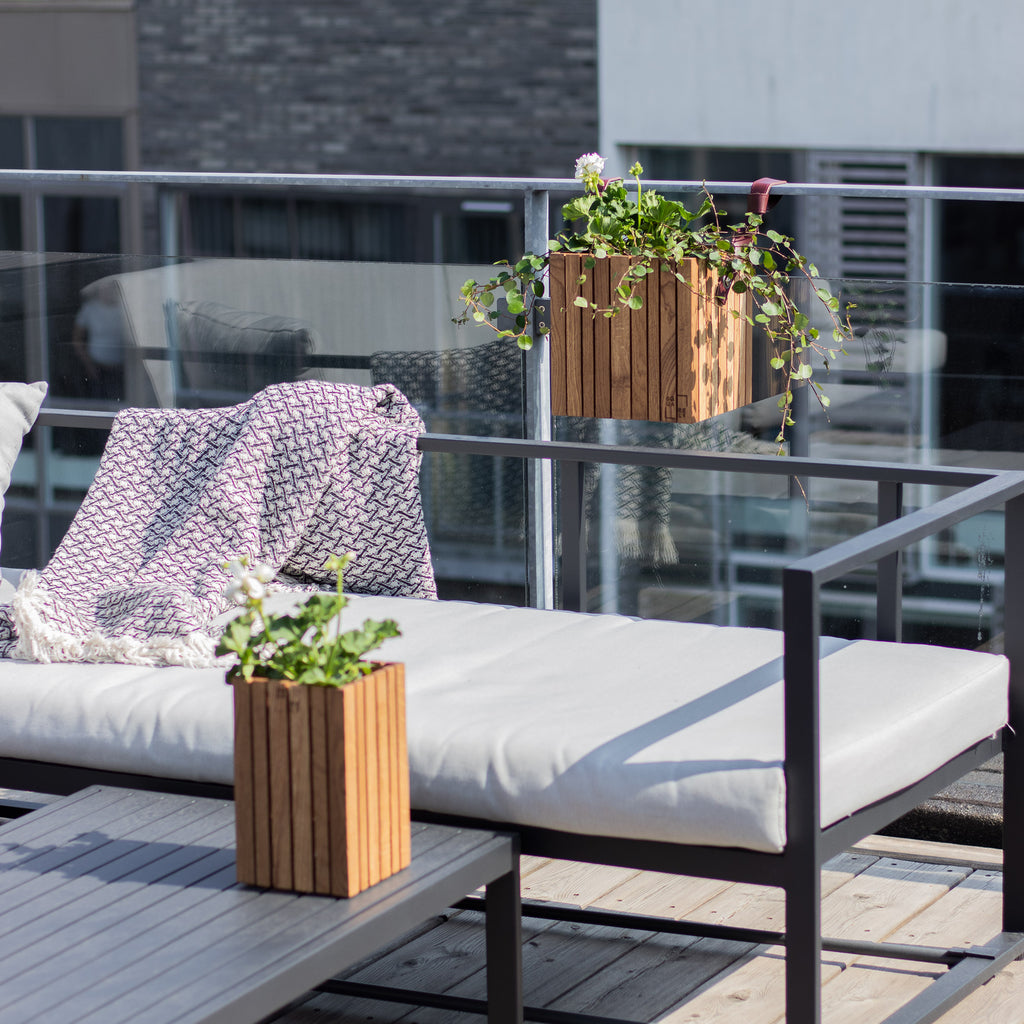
x=321 y=783
x=681 y=358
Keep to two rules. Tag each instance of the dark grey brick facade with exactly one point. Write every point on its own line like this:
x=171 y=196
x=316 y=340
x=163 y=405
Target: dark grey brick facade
x=470 y=87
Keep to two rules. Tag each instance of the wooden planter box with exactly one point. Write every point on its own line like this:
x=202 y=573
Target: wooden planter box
x=321 y=783
x=682 y=358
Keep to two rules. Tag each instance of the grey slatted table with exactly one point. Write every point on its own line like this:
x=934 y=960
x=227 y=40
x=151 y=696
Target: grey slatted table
x=118 y=905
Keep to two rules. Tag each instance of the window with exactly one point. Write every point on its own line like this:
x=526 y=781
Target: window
x=78 y=143
x=12 y=143
x=405 y=230
x=699 y=164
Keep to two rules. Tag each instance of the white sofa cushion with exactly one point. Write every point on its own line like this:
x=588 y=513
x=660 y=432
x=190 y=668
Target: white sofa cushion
x=593 y=724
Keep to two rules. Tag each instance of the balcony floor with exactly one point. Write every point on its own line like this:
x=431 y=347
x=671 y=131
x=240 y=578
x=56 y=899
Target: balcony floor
x=887 y=888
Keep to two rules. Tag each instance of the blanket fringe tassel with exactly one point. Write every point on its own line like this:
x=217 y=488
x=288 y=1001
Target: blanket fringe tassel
x=39 y=641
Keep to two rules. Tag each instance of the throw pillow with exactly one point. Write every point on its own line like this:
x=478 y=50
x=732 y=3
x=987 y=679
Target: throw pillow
x=19 y=406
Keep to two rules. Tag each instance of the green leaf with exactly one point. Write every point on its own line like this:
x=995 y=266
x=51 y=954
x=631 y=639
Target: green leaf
x=635 y=302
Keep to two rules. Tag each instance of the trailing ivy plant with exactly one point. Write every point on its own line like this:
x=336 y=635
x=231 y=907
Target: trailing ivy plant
x=656 y=234
x=299 y=646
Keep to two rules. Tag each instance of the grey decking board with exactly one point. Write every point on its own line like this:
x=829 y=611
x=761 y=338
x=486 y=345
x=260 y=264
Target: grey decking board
x=53 y=818
x=98 y=907
x=146 y=924
x=284 y=940
x=149 y=924
x=325 y=953
x=104 y=863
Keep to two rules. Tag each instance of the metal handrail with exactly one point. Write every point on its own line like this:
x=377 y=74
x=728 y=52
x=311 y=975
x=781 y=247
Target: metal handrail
x=464 y=184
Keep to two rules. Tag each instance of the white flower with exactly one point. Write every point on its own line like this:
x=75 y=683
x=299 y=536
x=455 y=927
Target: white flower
x=589 y=165
x=263 y=572
x=237 y=567
x=248 y=582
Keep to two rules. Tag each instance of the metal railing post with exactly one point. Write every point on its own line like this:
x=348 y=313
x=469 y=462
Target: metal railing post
x=889 y=595
x=540 y=500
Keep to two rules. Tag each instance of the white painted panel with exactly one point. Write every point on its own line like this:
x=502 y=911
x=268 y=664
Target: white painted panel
x=918 y=75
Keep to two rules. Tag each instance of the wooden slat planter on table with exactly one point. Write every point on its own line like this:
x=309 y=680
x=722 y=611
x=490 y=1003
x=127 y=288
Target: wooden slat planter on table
x=321 y=783
x=683 y=357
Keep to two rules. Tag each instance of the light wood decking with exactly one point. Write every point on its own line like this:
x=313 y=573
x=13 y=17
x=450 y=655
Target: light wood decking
x=892 y=889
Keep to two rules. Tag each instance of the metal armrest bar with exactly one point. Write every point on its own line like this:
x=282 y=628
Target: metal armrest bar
x=899 y=533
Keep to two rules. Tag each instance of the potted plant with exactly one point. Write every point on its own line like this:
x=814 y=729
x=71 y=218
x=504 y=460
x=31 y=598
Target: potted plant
x=653 y=306
x=321 y=767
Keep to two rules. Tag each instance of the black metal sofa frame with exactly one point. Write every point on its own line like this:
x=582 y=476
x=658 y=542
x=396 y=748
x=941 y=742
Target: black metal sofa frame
x=797 y=870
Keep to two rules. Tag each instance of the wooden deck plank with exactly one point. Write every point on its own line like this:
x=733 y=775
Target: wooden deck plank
x=646 y=977
x=874 y=988
x=870 y=905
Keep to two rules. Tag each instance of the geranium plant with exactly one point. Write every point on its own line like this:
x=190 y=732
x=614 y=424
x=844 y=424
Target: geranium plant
x=657 y=234
x=304 y=646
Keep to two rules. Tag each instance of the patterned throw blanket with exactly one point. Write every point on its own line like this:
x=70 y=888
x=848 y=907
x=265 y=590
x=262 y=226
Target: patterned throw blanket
x=298 y=472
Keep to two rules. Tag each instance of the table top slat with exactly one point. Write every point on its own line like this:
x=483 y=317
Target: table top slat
x=122 y=906
x=252 y=938
x=92 y=907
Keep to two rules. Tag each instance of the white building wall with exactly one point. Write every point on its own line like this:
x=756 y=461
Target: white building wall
x=909 y=75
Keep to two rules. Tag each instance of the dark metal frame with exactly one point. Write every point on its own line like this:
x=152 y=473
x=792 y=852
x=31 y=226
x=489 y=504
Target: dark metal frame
x=797 y=870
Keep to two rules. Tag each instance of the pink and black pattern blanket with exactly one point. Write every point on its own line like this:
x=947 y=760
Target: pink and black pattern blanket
x=298 y=472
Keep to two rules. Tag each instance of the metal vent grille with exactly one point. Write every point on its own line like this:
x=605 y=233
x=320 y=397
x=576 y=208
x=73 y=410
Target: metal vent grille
x=874 y=245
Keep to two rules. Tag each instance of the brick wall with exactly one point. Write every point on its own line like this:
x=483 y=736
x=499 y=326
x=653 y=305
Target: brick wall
x=474 y=87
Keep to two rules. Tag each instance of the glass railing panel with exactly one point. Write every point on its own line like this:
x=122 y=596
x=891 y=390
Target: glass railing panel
x=107 y=333
x=941 y=386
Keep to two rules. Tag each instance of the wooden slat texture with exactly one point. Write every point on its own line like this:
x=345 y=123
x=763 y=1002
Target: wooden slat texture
x=600 y=273
x=683 y=357
x=244 y=793
x=355 y=745
x=690 y=344
x=652 y=302
x=668 y=313
x=261 y=782
x=588 y=344
x=574 y=361
x=281 y=874
x=344 y=814
x=557 y=337
x=379 y=684
x=319 y=784
x=621 y=356
x=402 y=770
x=638 y=347
x=301 y=782
x=367 y=742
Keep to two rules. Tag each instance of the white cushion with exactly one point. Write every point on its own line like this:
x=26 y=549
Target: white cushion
x=594 y=724
x=19 y=406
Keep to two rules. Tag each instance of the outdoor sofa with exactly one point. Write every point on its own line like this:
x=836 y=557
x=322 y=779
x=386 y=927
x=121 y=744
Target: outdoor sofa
x=658 y=745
